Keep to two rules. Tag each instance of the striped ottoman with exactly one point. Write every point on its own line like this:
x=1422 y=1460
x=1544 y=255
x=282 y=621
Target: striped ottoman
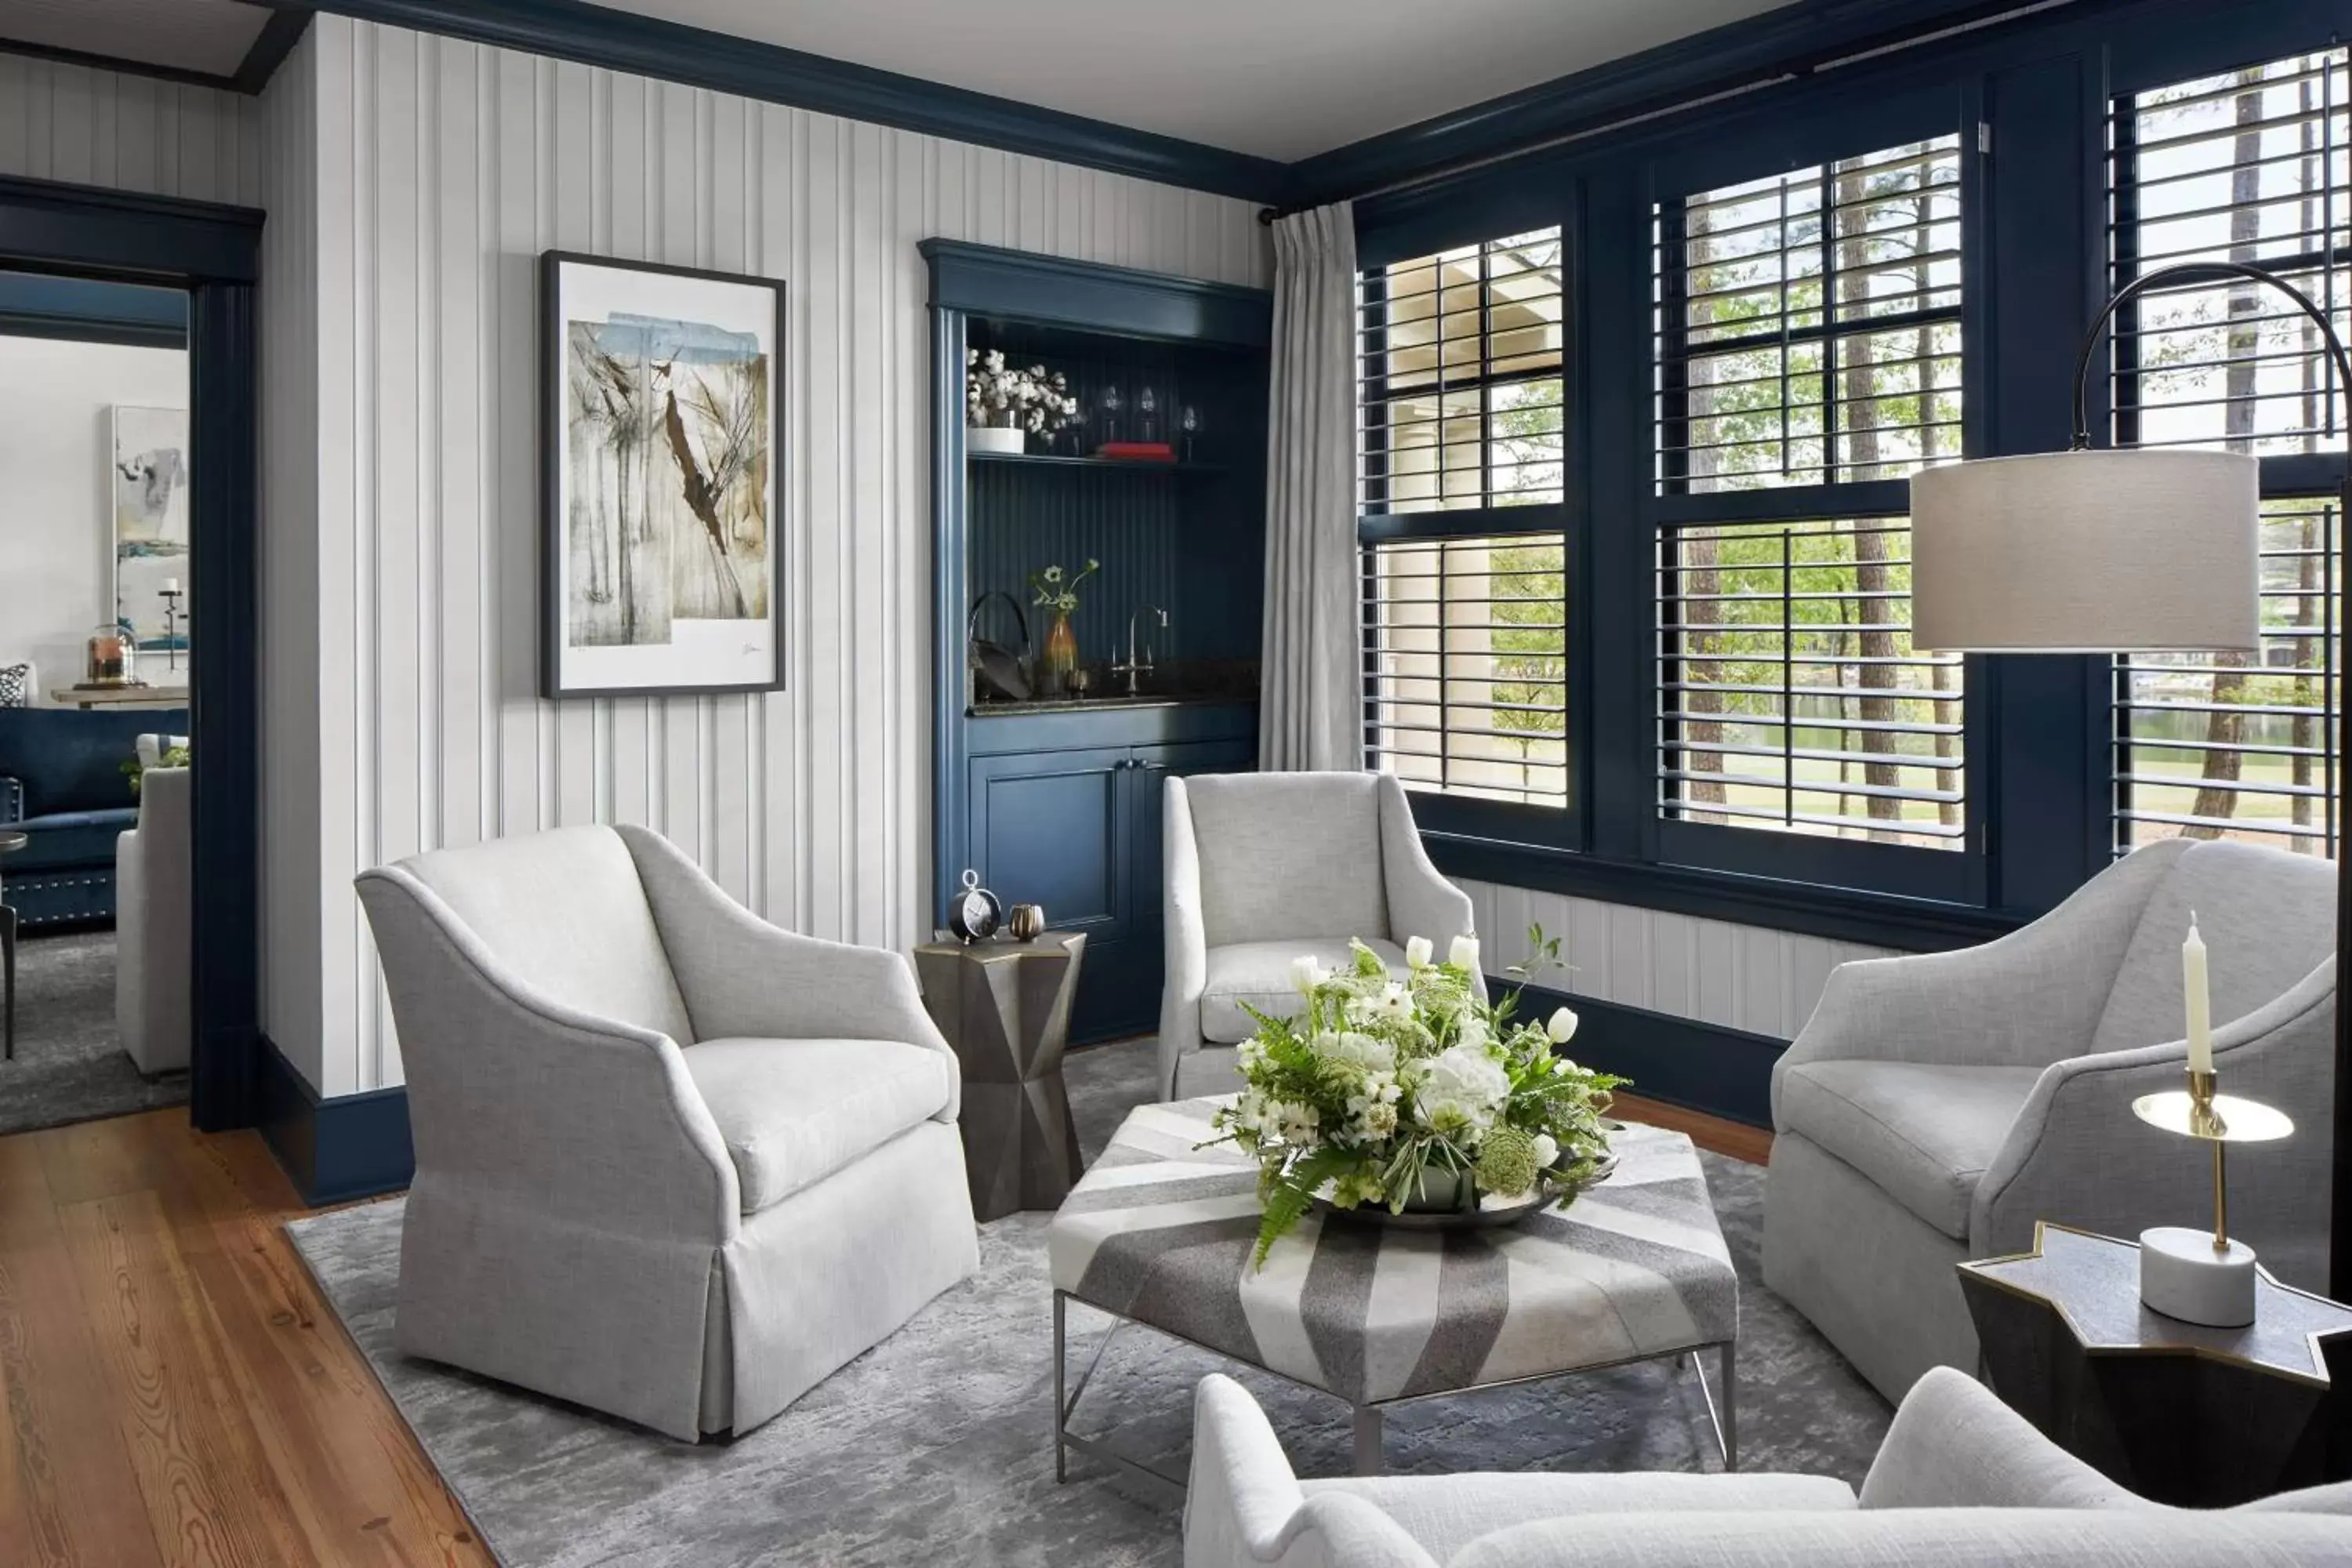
x=1159 y=1232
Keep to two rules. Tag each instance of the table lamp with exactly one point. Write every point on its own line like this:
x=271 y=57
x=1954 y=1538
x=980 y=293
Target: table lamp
x=2122 y=552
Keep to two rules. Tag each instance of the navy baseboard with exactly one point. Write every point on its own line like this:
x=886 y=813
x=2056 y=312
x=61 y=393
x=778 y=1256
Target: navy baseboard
x=350 y=1146
x=1701 y=1067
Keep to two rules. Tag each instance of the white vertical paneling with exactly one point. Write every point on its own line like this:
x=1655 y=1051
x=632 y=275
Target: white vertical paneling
x=1739 y=976
x=424 y=176
x=130 y=133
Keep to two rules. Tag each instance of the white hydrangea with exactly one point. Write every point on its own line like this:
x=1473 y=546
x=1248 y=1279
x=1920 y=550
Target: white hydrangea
x=1368 y=1051
x=1462 y=1086
x=1547 y=1150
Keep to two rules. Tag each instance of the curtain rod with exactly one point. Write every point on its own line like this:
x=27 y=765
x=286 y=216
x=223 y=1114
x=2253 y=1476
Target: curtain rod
x=1266 y=215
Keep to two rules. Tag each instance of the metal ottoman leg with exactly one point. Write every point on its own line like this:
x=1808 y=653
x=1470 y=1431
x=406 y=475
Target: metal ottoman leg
x=1368 y=1461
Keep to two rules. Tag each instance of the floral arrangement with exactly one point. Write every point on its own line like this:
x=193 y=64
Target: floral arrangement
x=1056 y=589
x=1033 y=400
x=1392 y=1092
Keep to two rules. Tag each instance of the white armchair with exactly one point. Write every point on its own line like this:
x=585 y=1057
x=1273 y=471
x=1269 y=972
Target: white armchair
x=672 y=1163
x=1936 y=1106
x=1265 y=868
x=154 y=910
x=1961 y=1481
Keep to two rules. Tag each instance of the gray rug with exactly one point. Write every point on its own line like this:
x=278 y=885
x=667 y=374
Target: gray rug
x=69 y=1064
x=936 y=1446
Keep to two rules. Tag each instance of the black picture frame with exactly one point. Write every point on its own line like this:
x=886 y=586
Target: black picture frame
x=552 y=685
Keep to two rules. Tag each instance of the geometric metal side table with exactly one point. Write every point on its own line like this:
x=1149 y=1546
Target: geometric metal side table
x=2181 y=1412
x=8 y=843
x=1006 y=1007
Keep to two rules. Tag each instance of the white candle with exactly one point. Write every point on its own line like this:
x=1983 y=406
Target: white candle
x=2201 y=1002
x=171 y=585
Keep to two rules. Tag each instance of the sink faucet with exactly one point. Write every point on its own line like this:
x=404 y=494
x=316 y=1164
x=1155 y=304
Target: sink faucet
x=1135 y=666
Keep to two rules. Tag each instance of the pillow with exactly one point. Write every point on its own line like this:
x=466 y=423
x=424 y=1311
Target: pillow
x=15 y=685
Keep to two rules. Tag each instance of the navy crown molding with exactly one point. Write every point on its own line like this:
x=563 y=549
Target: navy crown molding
x=94 y=231
x=268 y=50
x=672 y=51
x=1705 y=1067
x=271 y=47
x=989 y=280
x=334 y=1150
x=32 y=305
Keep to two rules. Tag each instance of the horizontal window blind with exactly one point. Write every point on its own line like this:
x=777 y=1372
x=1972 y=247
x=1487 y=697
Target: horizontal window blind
x=2238 y=746
x=1465 y=666
x=1460 y=364
x=2251 y=165
x=1789 y=693
x=1809 y=324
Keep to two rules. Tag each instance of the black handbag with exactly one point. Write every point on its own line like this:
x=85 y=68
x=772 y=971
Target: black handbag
x=998 y=674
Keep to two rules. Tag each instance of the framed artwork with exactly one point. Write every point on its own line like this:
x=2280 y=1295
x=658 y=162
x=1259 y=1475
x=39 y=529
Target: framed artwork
x=148 y=479
x=660 y=394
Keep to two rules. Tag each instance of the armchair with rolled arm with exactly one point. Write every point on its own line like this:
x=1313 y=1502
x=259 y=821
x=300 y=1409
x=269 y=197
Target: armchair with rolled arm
x=672 y=1163
x=1265 y=869
x=1936 y=1106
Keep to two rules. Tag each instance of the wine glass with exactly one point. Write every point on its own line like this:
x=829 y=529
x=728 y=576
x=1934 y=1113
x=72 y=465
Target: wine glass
x=1147 y=409
x=1112 y=406
x=1191 y=422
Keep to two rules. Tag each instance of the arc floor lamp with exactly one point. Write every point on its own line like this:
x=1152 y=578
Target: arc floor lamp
x=2120 y=552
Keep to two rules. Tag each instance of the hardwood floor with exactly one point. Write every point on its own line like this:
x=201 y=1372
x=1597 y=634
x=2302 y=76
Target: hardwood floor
x=177 y=1391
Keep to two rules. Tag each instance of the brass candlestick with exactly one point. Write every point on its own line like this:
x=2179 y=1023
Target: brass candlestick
x=2217 y=1288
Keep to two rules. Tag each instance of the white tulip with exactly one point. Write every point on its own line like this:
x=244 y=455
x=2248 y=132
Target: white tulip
x=1463 y=954
x=1561 y=1026
x=1547 y=1150
x=1305 y=974
x=1417 y=951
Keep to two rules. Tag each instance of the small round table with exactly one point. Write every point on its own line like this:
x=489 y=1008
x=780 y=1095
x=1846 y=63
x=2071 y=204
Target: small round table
x=9 y=844
x=1005 y=1005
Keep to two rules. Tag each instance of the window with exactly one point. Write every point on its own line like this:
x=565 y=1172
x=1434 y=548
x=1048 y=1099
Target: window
x=1788 y=694
x=1461 y=469
x=1460 y=369
x=2246 y=165
x=1808 y=326
x=1466 y=666
x=1808 y=341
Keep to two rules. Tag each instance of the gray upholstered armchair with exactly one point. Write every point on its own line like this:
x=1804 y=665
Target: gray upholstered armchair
x=1936 y=1106
x=154 y=917
x=1961 y=1481
x=1265 y=868
x=672 y=1163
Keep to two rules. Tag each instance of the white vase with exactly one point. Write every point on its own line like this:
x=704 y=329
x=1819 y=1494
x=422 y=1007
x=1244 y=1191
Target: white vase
x=1009 y=438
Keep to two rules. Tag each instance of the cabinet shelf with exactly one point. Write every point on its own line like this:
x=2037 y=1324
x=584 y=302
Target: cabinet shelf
x=1058 y=460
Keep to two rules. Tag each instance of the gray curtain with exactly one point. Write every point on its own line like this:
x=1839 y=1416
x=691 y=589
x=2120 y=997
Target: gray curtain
x=1311 y=708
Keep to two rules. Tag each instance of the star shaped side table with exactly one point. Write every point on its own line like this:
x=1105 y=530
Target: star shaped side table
x=1005 y=1005
x=2182 y=1413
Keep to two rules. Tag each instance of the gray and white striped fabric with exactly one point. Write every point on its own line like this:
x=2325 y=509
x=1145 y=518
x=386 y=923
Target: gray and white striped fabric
x=1160 y=1230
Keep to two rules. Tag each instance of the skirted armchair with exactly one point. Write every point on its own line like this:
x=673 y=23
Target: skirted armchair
x=1265 y=868
x=1936 y=1106
x=672 y=1163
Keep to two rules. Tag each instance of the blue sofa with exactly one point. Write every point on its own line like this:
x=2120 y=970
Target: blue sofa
x=62 y=786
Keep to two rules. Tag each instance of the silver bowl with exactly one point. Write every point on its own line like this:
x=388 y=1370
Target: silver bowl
x=1483 y=1217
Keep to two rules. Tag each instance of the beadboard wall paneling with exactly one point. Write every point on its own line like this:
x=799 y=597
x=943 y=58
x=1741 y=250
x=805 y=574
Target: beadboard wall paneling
x=1739 y=976
x=443 y=168
x=93 y=127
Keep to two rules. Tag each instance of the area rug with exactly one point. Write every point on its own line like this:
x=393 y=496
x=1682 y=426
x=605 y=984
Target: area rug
x=69 y=1064
x=937 y=1447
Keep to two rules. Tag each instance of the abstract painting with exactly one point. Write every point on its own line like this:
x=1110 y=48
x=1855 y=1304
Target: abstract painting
x=148 y=479
x=659 y=390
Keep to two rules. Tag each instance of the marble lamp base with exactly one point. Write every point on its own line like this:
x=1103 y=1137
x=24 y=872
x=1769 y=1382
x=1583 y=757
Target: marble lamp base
x=2183 y=1275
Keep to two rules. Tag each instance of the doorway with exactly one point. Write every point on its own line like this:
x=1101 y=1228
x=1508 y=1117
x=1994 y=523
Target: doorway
x=206 y=257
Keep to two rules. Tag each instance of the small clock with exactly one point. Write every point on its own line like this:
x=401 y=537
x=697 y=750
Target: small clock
x=974 y=915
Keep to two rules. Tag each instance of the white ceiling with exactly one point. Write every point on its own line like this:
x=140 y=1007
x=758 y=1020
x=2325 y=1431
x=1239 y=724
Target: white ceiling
x=1282 y=79
x=207 y=35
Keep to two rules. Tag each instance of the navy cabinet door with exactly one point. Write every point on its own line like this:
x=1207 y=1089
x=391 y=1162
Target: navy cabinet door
x=1148 y=780
x=1051 y=829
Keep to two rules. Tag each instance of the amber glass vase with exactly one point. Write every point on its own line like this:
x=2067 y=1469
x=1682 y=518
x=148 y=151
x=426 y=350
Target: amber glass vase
x=1061 y=656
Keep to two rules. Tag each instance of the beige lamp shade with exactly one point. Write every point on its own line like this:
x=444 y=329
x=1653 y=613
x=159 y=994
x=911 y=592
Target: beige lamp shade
x=2087 y=551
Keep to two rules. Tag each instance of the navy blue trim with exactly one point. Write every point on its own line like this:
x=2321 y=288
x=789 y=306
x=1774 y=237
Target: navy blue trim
x=214 y=253
x=334 y=1150
x=1702 y=1067
x=1840 y=914
x=118 y=64
x=36 y=306
x=990 y=280
x=646 y=46
x=271 y=47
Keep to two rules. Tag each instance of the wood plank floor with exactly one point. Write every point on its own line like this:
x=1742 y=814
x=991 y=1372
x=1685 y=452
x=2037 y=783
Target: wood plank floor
x=176 y=1390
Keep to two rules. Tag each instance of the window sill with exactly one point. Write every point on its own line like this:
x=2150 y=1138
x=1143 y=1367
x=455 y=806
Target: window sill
x=1839 y=914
